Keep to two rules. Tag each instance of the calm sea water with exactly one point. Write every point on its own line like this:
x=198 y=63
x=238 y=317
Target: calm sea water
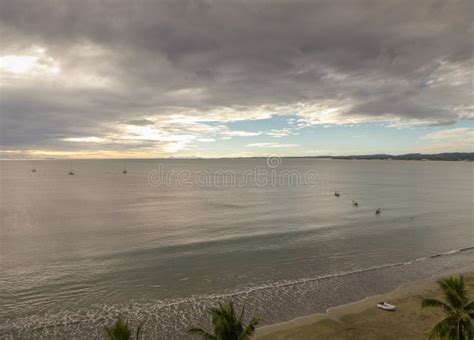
x=78 y=251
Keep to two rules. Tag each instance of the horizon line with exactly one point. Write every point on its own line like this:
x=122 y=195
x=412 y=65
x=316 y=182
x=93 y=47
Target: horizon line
x=241 y=157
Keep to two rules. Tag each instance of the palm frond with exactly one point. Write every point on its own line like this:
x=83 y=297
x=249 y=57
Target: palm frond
x=469 y=307
x=467 y=327
x=202 y=333
x=122 y=331
x=425 y=303
x=443 y=328
x=119 y=331
x=241 y=317
x=110 y=334
x=454 y=291
x=458 y=309
x=250 y=329
x=227 y=324
x=139 y=330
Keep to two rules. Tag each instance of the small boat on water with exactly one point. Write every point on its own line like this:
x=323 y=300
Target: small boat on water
x=378 y=211
x=386 y=306
x=124 y=167
x=337 y=194
x=70 y=173
x=355 y=204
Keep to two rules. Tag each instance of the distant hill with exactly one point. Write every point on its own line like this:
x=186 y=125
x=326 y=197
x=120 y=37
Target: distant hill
x=446 y=156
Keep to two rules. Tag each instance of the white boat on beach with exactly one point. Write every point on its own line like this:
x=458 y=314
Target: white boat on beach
x=386 y=306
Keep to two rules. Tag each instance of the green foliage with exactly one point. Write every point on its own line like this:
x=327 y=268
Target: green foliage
x=459 y=311
x=122 y=331
x=227 y=325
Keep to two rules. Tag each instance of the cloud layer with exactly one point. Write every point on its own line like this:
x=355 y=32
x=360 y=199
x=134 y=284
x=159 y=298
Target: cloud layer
x=161 y=76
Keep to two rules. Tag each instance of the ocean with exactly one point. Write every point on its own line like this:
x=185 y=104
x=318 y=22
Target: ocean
x=171 y=237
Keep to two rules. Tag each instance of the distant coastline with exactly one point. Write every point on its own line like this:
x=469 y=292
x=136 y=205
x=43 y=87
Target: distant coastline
x=445 y=156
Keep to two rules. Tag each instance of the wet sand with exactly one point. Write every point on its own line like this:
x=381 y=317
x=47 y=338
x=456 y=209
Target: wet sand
x=362 y=320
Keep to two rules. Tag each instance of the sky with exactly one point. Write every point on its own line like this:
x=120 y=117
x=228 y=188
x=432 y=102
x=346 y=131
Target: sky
x=228 y=78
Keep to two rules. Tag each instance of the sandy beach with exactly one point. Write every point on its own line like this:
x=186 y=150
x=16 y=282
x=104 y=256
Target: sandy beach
x=362 y=320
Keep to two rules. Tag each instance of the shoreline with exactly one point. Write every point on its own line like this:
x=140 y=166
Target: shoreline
x=334 y=323
x=308 y=294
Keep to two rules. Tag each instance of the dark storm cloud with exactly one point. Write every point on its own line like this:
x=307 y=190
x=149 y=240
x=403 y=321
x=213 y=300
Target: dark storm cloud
x=395 y=60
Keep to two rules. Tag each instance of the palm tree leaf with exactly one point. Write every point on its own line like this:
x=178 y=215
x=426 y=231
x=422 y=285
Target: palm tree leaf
x=241 y=317
x=454 y=298
x=469 y=307
x=122 y=331
x=109 y=332
x=454 y=291
x=119 y=331
x=250 y=329
x=139 y=330
x=222 y=321
x=467 y=326
x=425 y=303
x=443 y=328
x=227 y=324
x=459 y=311
x=202 y=333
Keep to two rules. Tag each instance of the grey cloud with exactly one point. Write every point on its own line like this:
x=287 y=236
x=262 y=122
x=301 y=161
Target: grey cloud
x=140 y=122
x=371 y=54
